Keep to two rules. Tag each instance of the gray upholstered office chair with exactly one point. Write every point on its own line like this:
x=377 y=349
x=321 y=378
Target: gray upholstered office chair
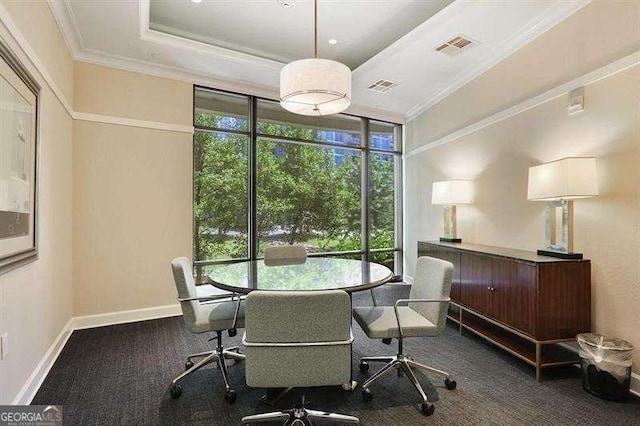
x=298 y=339
x=285 y=255
x=219 y=313
x=424 y=314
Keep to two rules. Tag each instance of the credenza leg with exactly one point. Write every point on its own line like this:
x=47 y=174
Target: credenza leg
x=538 y=362
x=460 y=319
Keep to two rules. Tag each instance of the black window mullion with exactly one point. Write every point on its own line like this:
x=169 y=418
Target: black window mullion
x=365 y=149
x=253 y=179
x=364 y=191
x=398 y=204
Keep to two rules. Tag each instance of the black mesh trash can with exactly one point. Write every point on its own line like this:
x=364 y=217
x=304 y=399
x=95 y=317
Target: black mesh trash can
x=606 y=366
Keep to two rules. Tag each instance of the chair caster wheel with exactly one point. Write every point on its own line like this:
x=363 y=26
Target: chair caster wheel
x=188 y=365
x=232 y=332
x=450 y=384
x=347 y=386
x=230 y=396
x=427 y=408
x=176 y=391
x=386 y=341
x=364 y=367
x=367 y=396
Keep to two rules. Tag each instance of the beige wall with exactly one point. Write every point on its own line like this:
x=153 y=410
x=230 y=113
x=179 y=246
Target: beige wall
x=35 y=300
x=109 y=91
x=132 y=190
x=497 y=158
x=594 y=36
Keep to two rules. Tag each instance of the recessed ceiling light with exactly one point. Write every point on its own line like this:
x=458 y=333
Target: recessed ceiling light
x=333 y=41
x=286 y=4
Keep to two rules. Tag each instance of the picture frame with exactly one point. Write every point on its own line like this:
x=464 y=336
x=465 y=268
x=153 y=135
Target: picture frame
x=19 y=138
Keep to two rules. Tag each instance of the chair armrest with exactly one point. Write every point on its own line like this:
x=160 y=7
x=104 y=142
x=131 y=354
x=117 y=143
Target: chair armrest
x=407 y=301
x=217 y=298
x=296 y=344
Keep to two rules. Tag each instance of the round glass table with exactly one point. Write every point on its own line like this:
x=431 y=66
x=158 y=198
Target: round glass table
x=316 y=273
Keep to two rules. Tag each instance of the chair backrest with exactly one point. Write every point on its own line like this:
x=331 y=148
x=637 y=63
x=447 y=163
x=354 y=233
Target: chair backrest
x=285 y=255
x=432 y=280
x=186 y=287
x=298 y=338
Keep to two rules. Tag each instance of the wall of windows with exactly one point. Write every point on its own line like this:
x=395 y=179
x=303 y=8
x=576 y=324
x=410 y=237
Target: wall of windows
x=265 y=176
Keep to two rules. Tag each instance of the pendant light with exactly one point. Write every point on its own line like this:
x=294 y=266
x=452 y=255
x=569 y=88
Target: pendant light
x=315 y=86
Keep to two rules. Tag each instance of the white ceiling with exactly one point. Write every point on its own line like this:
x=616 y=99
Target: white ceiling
x=242 y=45
x=266 y=29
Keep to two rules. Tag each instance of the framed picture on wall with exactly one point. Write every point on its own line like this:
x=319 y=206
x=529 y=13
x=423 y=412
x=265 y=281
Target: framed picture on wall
x=18 y=162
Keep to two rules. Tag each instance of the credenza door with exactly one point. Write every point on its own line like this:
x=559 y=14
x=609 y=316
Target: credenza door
x=475 y=282
x=513 y=294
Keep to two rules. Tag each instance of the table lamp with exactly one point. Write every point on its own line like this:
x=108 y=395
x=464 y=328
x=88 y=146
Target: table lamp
x=449 y=193
x=558 y=183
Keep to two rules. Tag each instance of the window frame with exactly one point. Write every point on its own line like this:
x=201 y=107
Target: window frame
x=364 y=148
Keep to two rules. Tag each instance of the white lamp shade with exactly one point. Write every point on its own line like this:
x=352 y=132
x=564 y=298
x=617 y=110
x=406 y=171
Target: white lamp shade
x=563 y=179
x=315 y=87
x=451 y=192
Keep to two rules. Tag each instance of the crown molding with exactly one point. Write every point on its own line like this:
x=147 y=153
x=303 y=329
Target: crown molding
x=584 y=80
x=161 y=34
x=552 y=17
x=66 y=20
x=63 y=14
x=30 y=53
x=376 y=114
x=173 y=73
x=182 y=43
x=82 y=54
x=41 y=71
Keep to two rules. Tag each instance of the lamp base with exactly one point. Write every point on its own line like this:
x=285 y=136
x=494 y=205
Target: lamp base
x=450 y=240
x=561 y=255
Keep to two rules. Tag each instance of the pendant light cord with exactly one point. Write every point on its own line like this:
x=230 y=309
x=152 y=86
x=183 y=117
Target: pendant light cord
x=315 y=28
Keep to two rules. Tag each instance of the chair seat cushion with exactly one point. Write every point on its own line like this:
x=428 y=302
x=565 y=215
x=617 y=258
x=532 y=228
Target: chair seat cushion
x=218 y=316
x=379 y=322
x=210 y=291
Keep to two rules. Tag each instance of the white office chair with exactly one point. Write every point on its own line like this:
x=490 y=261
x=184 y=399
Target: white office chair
x=424 y=314
x=219 y=313
x=298 y=339
x=285 y=255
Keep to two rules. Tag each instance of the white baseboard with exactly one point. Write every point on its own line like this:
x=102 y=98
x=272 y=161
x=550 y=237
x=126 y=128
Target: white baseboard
x=123 y=317
x=33 y=383
x=31 y=386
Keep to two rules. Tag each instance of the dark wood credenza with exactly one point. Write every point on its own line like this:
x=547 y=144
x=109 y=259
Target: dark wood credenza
x=522 y=302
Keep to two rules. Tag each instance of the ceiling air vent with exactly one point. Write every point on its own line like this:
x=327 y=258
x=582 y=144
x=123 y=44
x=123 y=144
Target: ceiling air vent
x=456 y=45
x=382 y=86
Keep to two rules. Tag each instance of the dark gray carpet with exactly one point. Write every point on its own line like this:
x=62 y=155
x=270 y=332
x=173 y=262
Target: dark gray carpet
x=119 y=375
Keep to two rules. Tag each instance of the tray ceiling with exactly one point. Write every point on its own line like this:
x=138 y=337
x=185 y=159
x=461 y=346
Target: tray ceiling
x=242 y=45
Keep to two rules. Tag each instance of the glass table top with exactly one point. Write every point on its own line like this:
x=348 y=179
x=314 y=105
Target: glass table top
x=316 y=273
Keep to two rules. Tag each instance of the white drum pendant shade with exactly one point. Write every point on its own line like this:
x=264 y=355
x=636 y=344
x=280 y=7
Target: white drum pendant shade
x=315 y=87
